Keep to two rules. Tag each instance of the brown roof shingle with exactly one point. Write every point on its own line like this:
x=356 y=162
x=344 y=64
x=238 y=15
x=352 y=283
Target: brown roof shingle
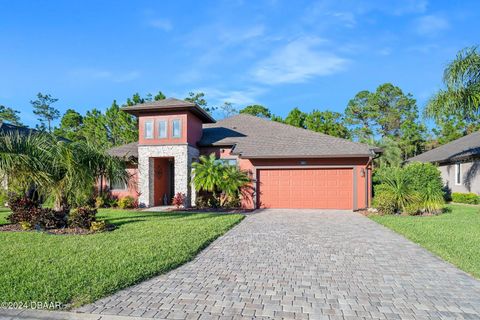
x=127 y=151
x=255 y=137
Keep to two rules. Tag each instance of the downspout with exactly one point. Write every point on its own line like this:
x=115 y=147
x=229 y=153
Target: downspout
x=369 y=190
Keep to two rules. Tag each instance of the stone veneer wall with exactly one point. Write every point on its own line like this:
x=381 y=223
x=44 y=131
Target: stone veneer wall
x=183 y=156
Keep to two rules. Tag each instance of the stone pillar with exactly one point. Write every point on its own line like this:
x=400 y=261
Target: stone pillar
x=183 y=156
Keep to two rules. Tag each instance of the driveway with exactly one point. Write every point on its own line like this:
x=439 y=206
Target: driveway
x=305 y=264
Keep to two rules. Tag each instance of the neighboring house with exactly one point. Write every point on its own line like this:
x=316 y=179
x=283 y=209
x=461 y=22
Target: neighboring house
x=291 y=167
x=458 y=161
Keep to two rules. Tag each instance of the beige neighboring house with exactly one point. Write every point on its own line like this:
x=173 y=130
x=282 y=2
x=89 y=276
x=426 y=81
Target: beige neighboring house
x=458 y=161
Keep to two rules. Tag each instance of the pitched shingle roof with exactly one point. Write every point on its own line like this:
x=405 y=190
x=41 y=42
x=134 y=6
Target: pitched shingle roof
x=10 y=128
x=254 y=137
x=127 y=151
x=465 y=147
x=169 y=104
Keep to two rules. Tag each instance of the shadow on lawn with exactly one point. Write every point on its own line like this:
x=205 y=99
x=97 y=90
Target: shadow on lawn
x=119 y=221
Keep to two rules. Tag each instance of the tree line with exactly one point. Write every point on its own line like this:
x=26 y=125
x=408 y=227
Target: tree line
x=387 y=117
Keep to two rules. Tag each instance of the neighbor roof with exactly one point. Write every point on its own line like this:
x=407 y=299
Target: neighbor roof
x=465 y=147
x=10 y=128
x=169 y=104
x=254 y=137
x=128 y=151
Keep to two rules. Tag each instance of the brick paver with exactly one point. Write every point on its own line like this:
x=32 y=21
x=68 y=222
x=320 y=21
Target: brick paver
x=304 y=264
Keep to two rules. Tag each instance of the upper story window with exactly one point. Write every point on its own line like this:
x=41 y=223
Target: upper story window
x=162 y=129
x=458 y=173
x=148 y=132
x=176 y=128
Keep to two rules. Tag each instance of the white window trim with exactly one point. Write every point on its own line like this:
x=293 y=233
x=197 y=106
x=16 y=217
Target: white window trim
x=166 y=129
x=179 y=128
x=145 y=129
x=458 y=173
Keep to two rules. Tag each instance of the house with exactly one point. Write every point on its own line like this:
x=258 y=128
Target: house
x=459 y=163
x=290 y=167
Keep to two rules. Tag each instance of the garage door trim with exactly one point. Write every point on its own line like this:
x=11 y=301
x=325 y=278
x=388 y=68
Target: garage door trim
x=354 y=172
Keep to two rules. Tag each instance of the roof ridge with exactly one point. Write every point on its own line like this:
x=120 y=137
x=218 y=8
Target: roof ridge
x=445 y=147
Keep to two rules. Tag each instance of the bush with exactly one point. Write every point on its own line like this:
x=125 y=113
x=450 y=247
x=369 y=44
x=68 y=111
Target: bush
x=179 y=200
x=3 y=197
x=101 y=202
x=126 y=203
x=98 y=226
x=50 y=219
x=82 y=217
x=416 y=188
x=26 y=225
x=23 y=209
x=385 y=203
x=422 y=176
x=469 y=198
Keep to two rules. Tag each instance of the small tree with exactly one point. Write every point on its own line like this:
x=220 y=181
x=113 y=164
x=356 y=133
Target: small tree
x=43 y=109
x=10 y=115
x=224 y=182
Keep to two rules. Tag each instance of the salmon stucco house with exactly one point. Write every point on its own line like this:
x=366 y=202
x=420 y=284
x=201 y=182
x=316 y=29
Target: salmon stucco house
x=290 y=167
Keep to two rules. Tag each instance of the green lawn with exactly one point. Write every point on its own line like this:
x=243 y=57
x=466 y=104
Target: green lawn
x=454 y=236
x=79 y=269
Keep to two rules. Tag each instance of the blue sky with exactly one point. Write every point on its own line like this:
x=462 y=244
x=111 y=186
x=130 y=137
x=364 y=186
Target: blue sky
x=282 y=54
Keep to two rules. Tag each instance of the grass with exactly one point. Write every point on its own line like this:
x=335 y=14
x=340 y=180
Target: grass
x=78 y=269
x=453 y=236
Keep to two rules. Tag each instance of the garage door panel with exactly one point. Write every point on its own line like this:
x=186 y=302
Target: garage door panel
x=306 y=188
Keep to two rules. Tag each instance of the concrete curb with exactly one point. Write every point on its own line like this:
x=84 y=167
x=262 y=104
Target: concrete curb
x=13 y=314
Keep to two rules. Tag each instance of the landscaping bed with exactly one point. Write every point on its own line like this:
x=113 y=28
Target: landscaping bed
x=454 y=236
x=78 y=269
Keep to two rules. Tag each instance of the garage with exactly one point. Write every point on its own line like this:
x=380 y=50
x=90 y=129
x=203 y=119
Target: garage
x=306 y=188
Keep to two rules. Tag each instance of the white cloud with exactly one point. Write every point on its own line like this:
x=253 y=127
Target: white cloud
x=162 y=24
x=102 y=74
x=298 y=61
x=237 y=97
x=430 y=25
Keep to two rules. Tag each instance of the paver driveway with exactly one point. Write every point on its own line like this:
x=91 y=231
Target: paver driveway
x=305 y=264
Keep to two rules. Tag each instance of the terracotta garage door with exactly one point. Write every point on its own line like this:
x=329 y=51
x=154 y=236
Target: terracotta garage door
x=306 y=188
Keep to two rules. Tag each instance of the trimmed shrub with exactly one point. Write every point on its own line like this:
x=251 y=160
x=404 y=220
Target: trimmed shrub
x=179 y=200
x=23 y=209
x=126 y=203
x=50 y=219
x=469 y=198
x=98 y=226
x=384 y=202
x=82 y=217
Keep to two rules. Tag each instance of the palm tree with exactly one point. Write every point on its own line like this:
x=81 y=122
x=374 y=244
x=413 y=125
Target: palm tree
x=66 y=170
x=398 y=187
x=232 y=184
x=224 y=182
x=461 y=95
x=207 y=174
